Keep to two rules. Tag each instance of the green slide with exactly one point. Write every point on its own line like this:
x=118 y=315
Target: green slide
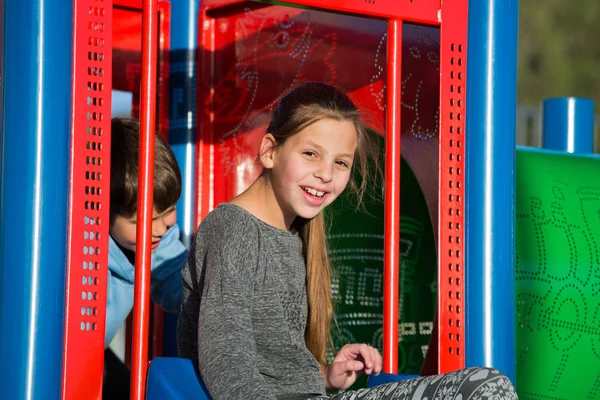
x=557 y=275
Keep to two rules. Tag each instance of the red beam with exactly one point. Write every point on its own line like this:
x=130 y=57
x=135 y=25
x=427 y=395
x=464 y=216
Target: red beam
x=420 y=11
x=392 y=197
x=141 y=309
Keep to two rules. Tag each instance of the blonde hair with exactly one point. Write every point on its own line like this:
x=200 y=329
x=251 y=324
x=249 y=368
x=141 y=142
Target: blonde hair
x=300 y=108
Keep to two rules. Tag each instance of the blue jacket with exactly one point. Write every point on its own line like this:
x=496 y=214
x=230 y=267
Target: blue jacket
x=167 y=261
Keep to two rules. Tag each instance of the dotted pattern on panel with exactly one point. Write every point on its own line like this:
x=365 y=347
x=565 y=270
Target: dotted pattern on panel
x=452 y=206
x=89 y=208
x=557 y=276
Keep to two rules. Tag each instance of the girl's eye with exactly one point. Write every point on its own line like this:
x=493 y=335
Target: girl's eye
x=310 y=154
x=342 y=163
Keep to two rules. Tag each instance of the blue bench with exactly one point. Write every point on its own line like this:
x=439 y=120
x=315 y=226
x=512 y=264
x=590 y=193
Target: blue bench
x=383 y=378
x=179 y=378
x=174 y=378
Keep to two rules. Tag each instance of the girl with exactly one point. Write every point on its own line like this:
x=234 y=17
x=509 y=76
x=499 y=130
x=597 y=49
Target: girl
x=256 y=290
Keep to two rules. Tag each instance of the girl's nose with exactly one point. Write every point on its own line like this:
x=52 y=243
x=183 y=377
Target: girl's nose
x=325 y=172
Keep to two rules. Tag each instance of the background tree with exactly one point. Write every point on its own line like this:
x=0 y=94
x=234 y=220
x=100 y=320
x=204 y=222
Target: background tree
x=559 y=53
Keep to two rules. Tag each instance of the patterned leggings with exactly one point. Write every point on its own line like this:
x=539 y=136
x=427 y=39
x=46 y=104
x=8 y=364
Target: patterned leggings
x=465 y=384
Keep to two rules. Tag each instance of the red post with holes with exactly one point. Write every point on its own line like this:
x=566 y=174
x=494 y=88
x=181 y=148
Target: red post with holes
x=83 y=352
x=451 y=307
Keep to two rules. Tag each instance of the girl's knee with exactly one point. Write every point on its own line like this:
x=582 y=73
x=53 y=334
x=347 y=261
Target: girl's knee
x=487 y=373
x=484 y=380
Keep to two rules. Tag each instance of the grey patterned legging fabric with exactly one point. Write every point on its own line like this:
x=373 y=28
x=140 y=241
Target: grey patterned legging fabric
x=464 y=384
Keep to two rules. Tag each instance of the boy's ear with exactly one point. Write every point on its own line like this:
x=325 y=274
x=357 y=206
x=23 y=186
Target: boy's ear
x=267 y=151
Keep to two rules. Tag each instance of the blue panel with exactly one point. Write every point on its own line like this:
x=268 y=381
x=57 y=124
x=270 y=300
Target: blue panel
x=490 y=190
x=34 y=153
x=568 y=125
x=174 y=379
x=182 y=128
x=383 y=378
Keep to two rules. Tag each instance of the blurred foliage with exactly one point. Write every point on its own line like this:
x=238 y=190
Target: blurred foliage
x=559 y=53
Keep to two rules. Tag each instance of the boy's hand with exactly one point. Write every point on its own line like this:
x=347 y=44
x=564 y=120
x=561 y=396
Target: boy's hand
x=351 y=361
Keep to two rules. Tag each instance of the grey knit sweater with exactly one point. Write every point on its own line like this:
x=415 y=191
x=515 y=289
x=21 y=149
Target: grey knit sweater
x=244 y=310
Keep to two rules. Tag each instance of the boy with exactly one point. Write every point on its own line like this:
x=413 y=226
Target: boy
x=168 y=253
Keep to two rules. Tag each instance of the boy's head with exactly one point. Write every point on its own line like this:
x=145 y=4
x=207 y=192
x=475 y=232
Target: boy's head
x=124 y=169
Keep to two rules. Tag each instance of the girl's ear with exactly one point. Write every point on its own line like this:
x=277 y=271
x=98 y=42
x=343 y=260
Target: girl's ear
x=267 y=151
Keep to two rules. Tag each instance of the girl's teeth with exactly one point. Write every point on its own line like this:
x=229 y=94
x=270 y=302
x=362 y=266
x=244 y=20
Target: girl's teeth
x=314 y=192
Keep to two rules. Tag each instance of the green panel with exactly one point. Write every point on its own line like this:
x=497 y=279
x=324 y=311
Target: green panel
x=558 y=276
x=356 y=253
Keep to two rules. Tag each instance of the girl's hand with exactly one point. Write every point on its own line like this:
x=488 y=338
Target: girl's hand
x=351 y=361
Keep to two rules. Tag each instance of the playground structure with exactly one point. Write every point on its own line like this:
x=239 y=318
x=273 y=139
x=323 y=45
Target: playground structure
x=475 y=251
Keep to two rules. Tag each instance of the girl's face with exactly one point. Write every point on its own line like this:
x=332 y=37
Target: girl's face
x=312 y=168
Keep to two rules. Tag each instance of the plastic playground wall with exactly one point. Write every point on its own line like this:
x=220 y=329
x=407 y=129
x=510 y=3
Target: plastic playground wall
x=557 y=275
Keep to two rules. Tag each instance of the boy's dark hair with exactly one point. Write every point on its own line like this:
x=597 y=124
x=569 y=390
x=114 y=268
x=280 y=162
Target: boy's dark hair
x=124 y=159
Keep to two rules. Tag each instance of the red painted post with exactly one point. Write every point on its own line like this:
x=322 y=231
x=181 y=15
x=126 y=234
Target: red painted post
x=89 y=198
x=141 y=310
x=451 y=238
x=392 y=197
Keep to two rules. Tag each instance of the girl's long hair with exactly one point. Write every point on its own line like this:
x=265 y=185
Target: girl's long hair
x=300 y=108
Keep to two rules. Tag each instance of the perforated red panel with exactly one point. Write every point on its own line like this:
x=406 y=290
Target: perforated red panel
x=89 y=201
x=453 y=61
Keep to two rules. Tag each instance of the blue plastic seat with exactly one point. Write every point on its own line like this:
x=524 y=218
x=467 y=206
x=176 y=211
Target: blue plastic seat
x=179 y=378
x=383 y=378
x=174 y=378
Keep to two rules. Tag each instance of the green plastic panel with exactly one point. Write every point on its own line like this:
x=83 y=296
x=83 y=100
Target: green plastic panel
x=356 y=253
x=557 y=276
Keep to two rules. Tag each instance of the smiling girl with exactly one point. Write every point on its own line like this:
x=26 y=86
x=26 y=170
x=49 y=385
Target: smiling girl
x=257 y=304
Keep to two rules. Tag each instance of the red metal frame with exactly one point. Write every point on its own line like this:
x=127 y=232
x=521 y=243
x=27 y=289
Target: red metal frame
x=141 y=309
x=451 y=16
x=131 y=41
x=136 y=4
x=451 y=300
x=204 y=116
x=88 y=201
x=419 y=11
x=164 y=45
x=392 y=197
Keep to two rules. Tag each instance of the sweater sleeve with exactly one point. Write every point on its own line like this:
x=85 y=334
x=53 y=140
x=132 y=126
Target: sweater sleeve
x=167 y=262
x=226 y=347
